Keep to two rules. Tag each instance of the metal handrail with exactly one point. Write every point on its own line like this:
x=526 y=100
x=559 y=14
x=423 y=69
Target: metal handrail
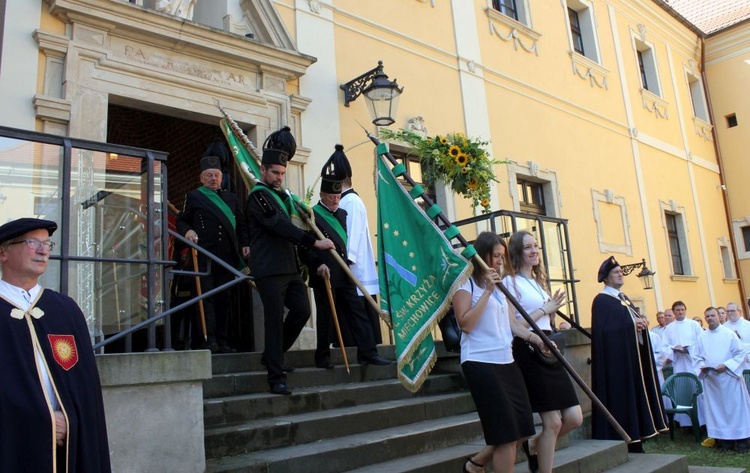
x=239 y=277
x=490 y=220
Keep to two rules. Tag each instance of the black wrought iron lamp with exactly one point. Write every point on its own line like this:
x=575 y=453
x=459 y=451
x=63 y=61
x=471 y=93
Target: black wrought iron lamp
x=645 y=275
x=382 y=95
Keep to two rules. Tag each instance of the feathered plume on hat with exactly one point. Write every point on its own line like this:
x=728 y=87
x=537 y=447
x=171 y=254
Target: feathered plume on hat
x=338 y=164
x=279 y=147
x=334 y=171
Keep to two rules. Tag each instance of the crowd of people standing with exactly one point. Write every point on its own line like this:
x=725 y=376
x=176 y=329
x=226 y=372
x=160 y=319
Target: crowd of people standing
x=717 y=354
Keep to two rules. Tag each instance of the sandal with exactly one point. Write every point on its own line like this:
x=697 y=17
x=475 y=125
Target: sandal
x=533 y=459
x=469 y=460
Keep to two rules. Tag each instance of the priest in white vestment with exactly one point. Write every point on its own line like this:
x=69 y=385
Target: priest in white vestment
x=741 y=327
x=680 y=338
x=719 y=356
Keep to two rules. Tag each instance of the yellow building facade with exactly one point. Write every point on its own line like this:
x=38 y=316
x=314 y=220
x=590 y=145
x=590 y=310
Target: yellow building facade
x=728 y=72
x=616 y=134
x=598 y=107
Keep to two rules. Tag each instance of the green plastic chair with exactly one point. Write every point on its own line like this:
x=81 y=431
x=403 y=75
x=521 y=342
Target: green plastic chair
x=683 y=390
x=746 y=374
x=667 y=371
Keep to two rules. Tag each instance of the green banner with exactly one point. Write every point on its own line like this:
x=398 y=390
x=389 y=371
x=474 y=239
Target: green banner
x=419 y=272
x=248 y=164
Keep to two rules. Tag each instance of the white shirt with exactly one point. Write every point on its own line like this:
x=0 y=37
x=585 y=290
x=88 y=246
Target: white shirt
x=359 y=246
x=490 y=340
x=530 y=295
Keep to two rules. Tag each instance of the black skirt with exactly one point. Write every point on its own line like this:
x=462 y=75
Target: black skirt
x=501 y=399
x=549 y=386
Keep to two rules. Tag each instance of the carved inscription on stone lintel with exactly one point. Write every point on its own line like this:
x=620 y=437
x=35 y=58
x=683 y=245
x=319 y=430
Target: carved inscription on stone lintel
x=140 y=54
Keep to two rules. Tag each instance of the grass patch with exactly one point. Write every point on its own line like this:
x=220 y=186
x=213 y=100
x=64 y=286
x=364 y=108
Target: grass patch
x=684 y=444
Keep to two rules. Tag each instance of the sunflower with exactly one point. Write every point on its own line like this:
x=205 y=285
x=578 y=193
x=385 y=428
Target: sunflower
x=459 y=161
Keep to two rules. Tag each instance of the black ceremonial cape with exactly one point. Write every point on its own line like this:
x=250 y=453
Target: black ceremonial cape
x=27 y=438
x=623 y=373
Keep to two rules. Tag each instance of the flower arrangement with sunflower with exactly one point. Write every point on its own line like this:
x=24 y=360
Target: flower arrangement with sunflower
x=459 y=161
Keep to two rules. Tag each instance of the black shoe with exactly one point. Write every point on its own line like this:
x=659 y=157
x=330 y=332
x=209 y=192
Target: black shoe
x=635 y=447
x=284 y=367
x=226 y=349
x=212 y=347
x=469 y=460
x=533 y=459
x=325 y=364
x=374 y=360
x=280 y=388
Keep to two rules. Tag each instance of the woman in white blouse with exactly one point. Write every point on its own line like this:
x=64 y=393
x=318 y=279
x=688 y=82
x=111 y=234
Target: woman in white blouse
x=495 y=381
x=550 y=390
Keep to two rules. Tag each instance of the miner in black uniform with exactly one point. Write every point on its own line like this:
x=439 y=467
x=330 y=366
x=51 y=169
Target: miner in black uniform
x=273 y=262
x=331 y=220
x=212 y=219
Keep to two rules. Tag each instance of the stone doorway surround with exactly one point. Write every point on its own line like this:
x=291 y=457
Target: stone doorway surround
x=112 y=48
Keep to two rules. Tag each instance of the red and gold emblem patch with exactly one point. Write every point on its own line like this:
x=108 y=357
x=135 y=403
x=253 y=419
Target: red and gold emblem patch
x=64 y=350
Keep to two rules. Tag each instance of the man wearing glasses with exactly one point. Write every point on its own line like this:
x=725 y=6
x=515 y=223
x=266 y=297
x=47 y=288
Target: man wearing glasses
x=740 y=326
x=50 y=396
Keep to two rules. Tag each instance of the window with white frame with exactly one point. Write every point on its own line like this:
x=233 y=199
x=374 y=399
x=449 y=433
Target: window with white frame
x=647 y=67
x=582 y=29
x=727 y=262
x=741 y=229
x=674 y=224
x=695 y=84
x=516 y=9
x=536 y=190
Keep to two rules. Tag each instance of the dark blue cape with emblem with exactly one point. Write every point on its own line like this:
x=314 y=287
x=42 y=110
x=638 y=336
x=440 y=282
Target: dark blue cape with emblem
x=623 y=373
x=27 y=439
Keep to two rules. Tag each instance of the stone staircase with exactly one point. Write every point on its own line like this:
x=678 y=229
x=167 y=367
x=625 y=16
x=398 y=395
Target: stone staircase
x=366 y=422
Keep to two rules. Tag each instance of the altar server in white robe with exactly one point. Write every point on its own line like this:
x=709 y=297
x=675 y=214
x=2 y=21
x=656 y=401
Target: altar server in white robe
x=659 y=348
x=718 y=356
x=741 y=327
x=680 y=338
x=359 y=245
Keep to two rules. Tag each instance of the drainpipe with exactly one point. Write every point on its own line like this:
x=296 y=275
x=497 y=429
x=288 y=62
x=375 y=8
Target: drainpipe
x=717 y=150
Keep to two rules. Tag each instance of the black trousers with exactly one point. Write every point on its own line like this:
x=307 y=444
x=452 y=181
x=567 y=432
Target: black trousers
x=277 y=292
x=349 y=307
x=216 y=307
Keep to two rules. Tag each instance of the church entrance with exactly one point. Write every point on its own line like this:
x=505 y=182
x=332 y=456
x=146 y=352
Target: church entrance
x=186 y=139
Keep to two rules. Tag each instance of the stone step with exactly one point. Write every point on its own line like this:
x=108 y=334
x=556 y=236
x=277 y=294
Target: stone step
x=288 y=430
x=715 y=469
x=243 y=362
x=247 y=407
x=651 y=463
x=588 y=456
x=230 y=384
x=355 y=451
